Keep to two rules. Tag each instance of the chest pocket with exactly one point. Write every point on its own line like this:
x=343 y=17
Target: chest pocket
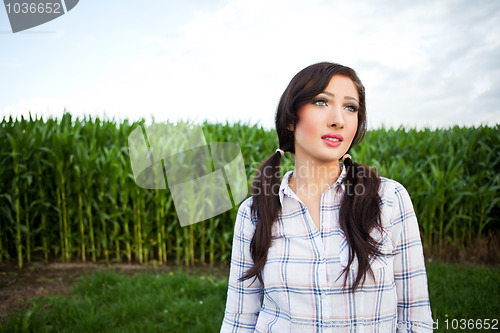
x=376 y=262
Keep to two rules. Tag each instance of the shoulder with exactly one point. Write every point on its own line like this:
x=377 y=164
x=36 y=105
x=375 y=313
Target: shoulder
x=398 y=214
x=392 y=190
x=246 y=205
x=397 y=205
x=245 y=212
x=245 y=223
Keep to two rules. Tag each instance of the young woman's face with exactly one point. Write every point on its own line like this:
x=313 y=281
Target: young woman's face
x=327 y=125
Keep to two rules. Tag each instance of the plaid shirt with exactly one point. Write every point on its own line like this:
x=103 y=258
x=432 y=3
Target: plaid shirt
x=302 y=289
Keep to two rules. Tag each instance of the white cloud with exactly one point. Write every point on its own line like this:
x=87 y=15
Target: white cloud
x=422 y=63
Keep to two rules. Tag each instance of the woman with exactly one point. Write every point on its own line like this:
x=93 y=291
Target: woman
x=333 y=247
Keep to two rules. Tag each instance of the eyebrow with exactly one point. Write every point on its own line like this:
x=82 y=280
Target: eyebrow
x=346 y=97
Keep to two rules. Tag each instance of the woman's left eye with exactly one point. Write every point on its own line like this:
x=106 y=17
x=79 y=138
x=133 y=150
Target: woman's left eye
x=351 y=108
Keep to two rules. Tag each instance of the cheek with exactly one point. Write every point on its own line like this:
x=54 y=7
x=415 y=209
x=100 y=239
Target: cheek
x=353 y=128
x=306 y=125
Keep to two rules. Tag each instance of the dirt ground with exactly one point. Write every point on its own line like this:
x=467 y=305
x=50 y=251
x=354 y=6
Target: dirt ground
x=40 y=279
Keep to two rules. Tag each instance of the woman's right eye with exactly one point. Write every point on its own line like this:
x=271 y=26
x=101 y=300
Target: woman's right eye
x=320 y=102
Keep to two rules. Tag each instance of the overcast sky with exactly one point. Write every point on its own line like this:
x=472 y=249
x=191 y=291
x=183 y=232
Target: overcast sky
x=423 y=63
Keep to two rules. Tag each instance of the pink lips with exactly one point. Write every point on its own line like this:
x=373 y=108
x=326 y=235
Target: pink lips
x=332 y=143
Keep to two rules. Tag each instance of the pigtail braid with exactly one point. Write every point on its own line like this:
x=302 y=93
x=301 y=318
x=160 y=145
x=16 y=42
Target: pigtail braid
x=359 y=214
x=266 y=207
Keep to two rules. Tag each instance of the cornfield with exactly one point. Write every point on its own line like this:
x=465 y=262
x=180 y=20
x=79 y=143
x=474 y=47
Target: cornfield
x=67 y=189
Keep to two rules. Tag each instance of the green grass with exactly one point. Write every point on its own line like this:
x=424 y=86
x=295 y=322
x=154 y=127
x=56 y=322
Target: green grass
x=463 y=293
x=111 y=302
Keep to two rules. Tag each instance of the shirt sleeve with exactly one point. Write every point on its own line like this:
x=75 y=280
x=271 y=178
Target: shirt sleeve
x=243 y=298
x=414 y=310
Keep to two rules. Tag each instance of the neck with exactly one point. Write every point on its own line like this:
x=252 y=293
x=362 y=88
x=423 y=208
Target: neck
x=312 y=178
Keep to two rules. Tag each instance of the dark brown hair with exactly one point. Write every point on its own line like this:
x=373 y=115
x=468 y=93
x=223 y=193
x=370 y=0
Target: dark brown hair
x=359 y=212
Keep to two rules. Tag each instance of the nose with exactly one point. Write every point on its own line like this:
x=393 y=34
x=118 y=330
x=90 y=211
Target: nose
x=336 y=117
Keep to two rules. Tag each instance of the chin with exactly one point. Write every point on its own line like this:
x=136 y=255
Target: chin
x=325 y=159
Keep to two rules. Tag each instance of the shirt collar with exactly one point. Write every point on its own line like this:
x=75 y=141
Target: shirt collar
x=286 y=190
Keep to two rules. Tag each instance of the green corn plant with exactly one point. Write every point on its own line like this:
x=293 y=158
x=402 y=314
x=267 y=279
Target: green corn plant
x=61 y=144
x=28 y=149
x=77 y=160
x=202 y=243
x=115 y=169
x=70 y=192
x=44 y=204
x=138 y=226
x=27 y=222
x=186 y=246
x=211 y=239
x=15 y=162
x=124 y=200
x=101 y=178
x=172 y=230
x=125 y=197
x=191 y=244
x=158 y=225
x=166 y=206
x=81 y=222
x=125 y=180
x=88 y=162
x=180 y=239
